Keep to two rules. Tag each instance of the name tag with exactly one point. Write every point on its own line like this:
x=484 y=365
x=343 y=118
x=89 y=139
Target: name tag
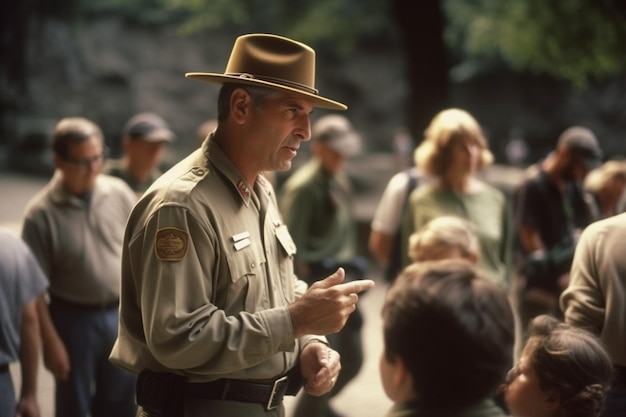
x=283 y=236
x=241 y=240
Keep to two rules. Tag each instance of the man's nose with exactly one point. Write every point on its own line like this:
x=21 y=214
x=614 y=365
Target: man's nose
x=306 y=128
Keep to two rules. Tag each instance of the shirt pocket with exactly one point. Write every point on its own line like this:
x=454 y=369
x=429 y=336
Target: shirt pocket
x=285 y=262
x=246 y=274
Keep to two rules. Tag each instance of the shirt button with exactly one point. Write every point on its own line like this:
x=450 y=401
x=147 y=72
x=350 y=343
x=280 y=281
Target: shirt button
x=252 y=265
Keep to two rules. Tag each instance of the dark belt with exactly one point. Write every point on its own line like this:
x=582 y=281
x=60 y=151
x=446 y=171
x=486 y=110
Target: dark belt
x=269 y=395
x=104 y=306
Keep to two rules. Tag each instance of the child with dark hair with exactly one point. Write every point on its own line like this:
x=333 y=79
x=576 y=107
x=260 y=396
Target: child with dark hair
x=564 y=371
x=448 y=341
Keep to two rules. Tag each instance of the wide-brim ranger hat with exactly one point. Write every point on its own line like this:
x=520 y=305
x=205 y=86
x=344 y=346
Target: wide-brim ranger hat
x=271 y=61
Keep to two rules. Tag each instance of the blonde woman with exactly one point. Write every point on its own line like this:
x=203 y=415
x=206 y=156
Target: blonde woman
x=453 y=151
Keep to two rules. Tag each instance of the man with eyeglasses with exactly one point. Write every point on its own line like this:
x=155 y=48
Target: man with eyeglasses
x=75 y=228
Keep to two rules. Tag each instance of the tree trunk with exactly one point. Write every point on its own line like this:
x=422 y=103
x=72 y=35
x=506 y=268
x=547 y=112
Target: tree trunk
x=420 y=23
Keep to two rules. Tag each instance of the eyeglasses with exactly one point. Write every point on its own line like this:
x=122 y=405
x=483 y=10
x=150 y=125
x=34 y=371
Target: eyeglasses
x=87 y=163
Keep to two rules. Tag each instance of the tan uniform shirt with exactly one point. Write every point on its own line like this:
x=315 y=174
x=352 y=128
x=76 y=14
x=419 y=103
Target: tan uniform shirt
x=596 y=296
x=207 y=274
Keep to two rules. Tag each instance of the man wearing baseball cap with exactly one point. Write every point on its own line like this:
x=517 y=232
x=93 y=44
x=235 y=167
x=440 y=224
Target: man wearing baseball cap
x=317 y=205
x=550 y=214
x=212 y=317
x=144 y=138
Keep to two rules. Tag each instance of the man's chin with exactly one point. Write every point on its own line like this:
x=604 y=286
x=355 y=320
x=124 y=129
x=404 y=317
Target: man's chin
x=285 y=166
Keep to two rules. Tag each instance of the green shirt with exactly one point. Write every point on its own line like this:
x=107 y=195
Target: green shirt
x=317 y=209
x=116 y=168
x=486 y=208
x=486 y=408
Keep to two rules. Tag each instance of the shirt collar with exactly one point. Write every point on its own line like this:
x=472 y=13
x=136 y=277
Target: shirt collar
x=222 y=163
x=60 y=196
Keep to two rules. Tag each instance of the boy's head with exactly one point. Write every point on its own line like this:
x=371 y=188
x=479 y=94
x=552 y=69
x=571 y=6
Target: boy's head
x=564 y=371
x=444 y=237
x=448 y=334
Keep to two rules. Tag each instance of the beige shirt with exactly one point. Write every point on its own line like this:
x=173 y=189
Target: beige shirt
x=79 y=244
x=596 y=296
x=207 y=275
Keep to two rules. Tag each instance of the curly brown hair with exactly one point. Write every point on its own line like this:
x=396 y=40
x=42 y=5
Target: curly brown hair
x=572 y=362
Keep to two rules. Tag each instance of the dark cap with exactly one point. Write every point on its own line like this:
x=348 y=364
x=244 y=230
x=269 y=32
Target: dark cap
x=336 y=132
x=148 y=127
x=583 y=143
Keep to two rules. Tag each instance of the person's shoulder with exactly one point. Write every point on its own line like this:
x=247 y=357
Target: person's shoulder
x=114 y=167
x=532 y=175
x=41 y=201
x=115 y=189
x=180 y=183
x=9 y=239
x=113 y=183
x=401 y=178
x=425 y=190
x=612 y=225
x=304 y=177
x=487 y=189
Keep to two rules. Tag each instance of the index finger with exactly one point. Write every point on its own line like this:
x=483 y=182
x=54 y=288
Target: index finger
x=355 y=287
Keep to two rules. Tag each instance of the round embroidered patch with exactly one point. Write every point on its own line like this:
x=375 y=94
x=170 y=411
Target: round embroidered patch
x=171 y=244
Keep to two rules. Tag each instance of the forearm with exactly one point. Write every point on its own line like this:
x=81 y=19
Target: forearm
x=49 y=335
x=29 y=350
x=380 y=246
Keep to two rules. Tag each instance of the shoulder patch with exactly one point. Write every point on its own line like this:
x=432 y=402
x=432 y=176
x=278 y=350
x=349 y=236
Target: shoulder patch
x=171 y=244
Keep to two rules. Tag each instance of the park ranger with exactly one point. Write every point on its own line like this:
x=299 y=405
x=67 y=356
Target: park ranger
x=212 y=317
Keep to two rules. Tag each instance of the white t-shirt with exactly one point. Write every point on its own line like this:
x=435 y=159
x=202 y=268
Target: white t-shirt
x=388 y=215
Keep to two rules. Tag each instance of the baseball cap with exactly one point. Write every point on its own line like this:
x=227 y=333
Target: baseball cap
x=148 y=127
x=336 y=132
x=584 y=143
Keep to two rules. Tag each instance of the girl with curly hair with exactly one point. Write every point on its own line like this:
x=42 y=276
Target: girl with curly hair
x=564 y=371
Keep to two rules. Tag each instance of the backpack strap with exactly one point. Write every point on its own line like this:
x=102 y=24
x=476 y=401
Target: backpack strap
x=395 y=257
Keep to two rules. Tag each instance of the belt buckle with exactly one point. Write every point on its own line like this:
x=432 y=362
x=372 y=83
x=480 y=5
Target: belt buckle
x=278 y=391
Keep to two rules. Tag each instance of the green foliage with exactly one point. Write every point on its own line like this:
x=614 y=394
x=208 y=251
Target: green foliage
x=339 y=21
x=575 y=40
x=342 y=22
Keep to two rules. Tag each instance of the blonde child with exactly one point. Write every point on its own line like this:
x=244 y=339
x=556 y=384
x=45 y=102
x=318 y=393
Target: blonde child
x=445 y=237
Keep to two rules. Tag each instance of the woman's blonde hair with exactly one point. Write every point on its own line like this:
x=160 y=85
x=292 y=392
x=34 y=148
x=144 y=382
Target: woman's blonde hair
x=446 y=126
x=441 y=233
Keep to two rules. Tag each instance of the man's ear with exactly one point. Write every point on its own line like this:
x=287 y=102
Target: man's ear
x=400 y=373
x=240 y=102
x=402 y=382
x=57 y=160
x=126 y=143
